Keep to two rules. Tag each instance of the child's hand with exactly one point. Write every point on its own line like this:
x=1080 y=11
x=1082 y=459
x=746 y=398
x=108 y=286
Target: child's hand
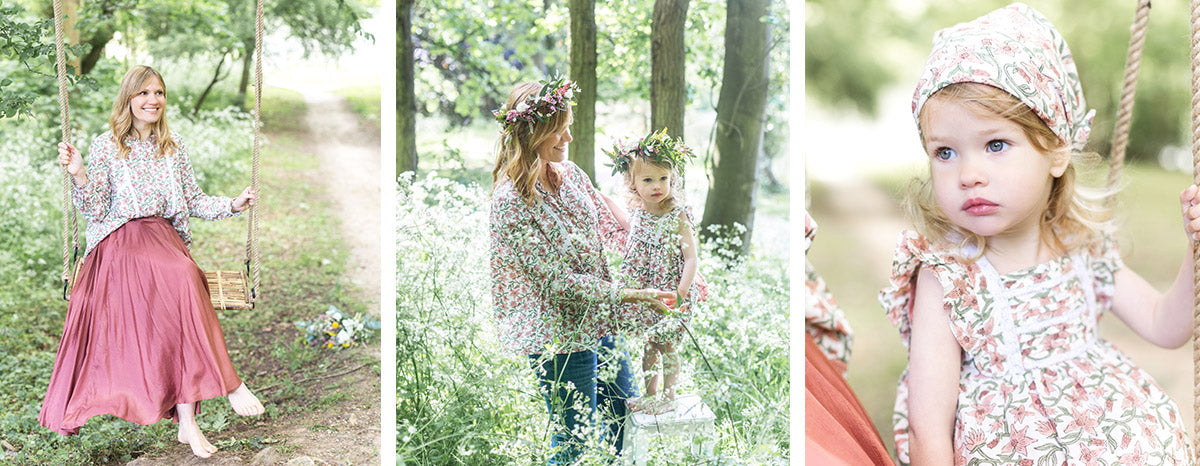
x=1189 y=201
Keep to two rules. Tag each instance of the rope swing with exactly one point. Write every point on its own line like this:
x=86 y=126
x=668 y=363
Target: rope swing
x=229 y=289
x=1195 y=250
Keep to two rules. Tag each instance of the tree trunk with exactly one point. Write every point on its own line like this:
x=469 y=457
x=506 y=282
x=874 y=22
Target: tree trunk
x=740 y=112
x=70 y=9
x=668 y=88
x=216 y=77
x=406 y=98
x=244 y=83
x=97 y=41
x=583 y=72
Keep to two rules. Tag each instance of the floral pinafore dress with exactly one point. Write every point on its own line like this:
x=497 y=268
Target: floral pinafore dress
x=1038 y=385
x=654 y=259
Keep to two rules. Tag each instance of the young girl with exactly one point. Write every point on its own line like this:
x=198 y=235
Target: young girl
x=141 y=340
x=998 y=292
x=660 y=254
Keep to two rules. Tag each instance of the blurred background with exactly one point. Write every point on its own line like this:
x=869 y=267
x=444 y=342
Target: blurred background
x=862 y=59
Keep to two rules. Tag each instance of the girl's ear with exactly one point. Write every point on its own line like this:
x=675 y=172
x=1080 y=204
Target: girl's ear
x=1059 y=160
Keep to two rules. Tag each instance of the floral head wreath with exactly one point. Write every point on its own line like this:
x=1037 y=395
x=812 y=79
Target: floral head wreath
x=556 y=95
x=656 y=147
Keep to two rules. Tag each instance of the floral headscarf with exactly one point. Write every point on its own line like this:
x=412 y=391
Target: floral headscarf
x=1017 y=50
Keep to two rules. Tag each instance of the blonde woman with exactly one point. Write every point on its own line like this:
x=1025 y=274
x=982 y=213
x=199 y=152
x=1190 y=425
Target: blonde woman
x=553 y=297
x=141 y=339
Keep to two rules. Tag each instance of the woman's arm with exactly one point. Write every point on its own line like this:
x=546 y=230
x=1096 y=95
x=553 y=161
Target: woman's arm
x=934 y=366
x=515 y=231
x=1162 y=319
x=690 y=260
x=91 y=193
x=618 y=213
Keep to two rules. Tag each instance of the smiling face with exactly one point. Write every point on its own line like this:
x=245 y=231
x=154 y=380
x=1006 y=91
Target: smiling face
x=988 y=177
x=147 y=104
x=652 y=183
x=554 y=147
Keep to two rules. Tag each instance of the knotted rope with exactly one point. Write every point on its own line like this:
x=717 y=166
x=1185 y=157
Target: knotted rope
x=70 y=234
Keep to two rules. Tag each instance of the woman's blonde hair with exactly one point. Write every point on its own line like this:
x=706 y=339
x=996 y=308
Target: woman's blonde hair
x=1074 y=215
x=516 y=155
x=121 y=121
x=674 y=195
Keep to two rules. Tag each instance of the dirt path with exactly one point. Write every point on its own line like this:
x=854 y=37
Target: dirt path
x=350 y=164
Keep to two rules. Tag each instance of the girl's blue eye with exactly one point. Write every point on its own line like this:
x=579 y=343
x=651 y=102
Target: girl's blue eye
x=944 y=153
x=997 y=145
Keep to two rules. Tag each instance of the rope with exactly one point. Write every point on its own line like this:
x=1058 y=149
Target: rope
x=1196 y=246
x=1133 y=61
x=252 y=231
x=70 y=234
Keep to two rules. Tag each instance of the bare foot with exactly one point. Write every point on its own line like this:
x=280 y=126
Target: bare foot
x=190 y=434
x=244 y=402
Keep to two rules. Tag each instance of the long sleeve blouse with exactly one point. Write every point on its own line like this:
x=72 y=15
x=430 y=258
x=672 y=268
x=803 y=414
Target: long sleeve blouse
x=142 y=185
x=551 y=289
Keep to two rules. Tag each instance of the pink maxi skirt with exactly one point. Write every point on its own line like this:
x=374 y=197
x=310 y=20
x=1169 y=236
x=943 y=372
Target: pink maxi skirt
x=141 y=335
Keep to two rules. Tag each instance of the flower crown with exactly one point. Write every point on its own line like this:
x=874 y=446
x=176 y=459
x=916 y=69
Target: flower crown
x=555 y=95
x=656 y=147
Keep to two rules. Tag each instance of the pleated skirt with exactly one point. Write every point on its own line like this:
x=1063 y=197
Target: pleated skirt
x=140 y=336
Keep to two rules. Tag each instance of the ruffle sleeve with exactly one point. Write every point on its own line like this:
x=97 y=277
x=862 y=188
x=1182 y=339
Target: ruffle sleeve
x=199 y=204
x=913 y=251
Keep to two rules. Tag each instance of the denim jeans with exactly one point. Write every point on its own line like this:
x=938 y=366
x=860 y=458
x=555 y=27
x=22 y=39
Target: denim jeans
x=572 y=409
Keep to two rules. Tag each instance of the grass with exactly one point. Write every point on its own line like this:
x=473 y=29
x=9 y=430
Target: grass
x=304 y=262
x=852 y=252
x=364 y=100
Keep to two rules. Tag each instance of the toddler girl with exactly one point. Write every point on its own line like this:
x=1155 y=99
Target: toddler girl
x=660 y=254
x=998 y=292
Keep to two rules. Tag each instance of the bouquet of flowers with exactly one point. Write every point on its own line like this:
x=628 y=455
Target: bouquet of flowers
x=335 y=329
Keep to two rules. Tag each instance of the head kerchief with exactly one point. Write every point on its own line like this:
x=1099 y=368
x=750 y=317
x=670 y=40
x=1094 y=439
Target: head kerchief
x=1017 y=50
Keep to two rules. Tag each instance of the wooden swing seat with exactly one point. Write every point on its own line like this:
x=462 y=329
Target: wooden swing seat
x=228 y=289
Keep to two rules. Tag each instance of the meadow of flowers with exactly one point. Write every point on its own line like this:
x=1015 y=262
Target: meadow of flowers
x=461 y=400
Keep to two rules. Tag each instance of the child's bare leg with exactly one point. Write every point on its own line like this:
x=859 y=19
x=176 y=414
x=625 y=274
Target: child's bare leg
x=244 y=402
x=670 y=369
x=649 y=361
x=189 y=431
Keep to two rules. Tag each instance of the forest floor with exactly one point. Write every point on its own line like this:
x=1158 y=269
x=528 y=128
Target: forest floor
x=322 y=409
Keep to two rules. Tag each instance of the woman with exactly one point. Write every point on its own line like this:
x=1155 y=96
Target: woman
x=551 y=288
x=141 y=339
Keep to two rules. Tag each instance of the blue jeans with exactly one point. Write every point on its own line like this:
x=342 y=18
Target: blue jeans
x=580 y=368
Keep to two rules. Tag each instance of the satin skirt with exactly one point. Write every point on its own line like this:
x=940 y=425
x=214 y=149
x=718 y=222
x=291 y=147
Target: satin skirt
x=141 y=334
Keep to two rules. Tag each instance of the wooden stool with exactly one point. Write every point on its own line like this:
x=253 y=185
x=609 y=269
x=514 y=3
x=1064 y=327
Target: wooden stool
x=690 y=417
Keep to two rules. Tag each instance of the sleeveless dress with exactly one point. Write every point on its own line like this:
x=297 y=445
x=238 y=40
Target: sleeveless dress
x=1038 y=385
x=654 y=259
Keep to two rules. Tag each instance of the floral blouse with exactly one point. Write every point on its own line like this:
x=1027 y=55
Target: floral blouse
x=551 y=289
x=823 y=319
x=120 y=190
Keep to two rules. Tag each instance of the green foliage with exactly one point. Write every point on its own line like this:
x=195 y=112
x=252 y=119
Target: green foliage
x=364 y=101
x=855 y=49
x=462 y=400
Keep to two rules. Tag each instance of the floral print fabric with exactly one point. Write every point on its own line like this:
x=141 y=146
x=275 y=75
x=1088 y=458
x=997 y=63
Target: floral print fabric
x=1018 y=50
x=823 y=319
x=551 y=289
x=142 y=185
x=654 y=260
x=1038 y=386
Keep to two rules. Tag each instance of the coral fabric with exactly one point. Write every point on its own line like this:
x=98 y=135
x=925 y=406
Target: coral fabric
x=837 y=429
x=140 y=336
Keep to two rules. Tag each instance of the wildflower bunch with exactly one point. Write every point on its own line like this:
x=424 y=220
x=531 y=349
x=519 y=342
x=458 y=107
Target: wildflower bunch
x=335 y=329
x=555 y=96
x=656 y=147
